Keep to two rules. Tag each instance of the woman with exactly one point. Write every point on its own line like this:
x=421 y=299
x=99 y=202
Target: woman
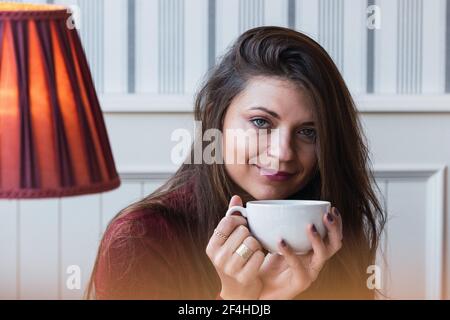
x=177 y=244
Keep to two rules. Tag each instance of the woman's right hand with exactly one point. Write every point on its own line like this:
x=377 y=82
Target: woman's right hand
x=239 y=277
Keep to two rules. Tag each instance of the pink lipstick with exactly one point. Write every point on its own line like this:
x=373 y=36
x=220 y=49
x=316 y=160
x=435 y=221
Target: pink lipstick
x=274 y=175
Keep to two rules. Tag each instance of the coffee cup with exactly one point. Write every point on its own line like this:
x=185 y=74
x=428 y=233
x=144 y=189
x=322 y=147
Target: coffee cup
x=269 y=221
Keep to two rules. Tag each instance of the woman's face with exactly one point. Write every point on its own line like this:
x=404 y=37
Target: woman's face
x=271 y=103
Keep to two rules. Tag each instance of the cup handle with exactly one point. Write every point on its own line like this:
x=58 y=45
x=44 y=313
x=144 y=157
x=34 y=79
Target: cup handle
x=242 y=210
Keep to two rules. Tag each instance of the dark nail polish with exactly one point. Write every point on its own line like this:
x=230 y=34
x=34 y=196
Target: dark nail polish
x=330 y=217
x=336 y=212
x=283 y=243
x=313 y=229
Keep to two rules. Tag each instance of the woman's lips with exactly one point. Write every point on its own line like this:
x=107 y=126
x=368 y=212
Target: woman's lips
x=274 y=175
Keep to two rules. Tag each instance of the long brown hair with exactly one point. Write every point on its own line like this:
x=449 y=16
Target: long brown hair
x=344 y=176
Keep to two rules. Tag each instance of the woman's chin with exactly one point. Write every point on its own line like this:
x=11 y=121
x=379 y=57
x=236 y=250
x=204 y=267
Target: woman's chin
x=267 y=194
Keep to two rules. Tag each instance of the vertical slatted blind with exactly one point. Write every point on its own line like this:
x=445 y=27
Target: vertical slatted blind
x=147 y=45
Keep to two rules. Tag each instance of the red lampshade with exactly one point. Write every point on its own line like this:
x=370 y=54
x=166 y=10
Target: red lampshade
x=53 y=140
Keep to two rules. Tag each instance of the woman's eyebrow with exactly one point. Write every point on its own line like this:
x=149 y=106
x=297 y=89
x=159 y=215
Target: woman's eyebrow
x=275 y=115
x=272 y=113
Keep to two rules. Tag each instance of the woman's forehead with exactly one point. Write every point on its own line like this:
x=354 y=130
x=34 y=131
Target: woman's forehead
x=282 y=97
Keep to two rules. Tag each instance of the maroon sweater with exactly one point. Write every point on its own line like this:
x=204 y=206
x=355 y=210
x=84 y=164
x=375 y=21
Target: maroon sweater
x=144 y=255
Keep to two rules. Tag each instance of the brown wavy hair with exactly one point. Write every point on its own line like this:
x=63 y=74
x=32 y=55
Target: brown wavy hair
x=344 y=174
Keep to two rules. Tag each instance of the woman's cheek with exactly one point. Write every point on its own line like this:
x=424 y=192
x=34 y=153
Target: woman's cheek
x=309 y=162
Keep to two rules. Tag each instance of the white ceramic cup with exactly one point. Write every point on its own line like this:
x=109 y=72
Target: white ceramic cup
x=269 y=221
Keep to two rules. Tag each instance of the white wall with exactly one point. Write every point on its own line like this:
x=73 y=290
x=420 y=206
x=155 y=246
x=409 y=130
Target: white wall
x=146 y=84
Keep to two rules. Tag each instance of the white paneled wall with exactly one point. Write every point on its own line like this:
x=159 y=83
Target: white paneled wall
x=409 y=53
x=148 y=58
x=410 y=46
x=40 y=239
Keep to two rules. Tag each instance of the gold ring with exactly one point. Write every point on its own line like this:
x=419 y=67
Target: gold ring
x=244 y=251
x=220 y=234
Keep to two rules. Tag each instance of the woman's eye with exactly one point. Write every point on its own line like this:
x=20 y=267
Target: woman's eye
x=260 y=123
x=309 y=133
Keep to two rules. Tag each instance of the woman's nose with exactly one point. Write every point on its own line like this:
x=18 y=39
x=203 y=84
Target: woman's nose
x=281 y=146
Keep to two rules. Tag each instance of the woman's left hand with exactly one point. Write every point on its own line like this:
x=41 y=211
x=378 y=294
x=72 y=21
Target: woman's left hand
x=285 y=276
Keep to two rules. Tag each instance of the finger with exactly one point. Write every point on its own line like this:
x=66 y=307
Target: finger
x=224 y=253
x=320 y=254
x=273 y=261
x=235 y=201
x=222 y=232
x=225 y=227
x=250 y=269
x=293 y=261
x=333 y=225
x=236 y=262
x=236 y=238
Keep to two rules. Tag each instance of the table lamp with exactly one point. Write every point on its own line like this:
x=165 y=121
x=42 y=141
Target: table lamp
x=53 y=139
